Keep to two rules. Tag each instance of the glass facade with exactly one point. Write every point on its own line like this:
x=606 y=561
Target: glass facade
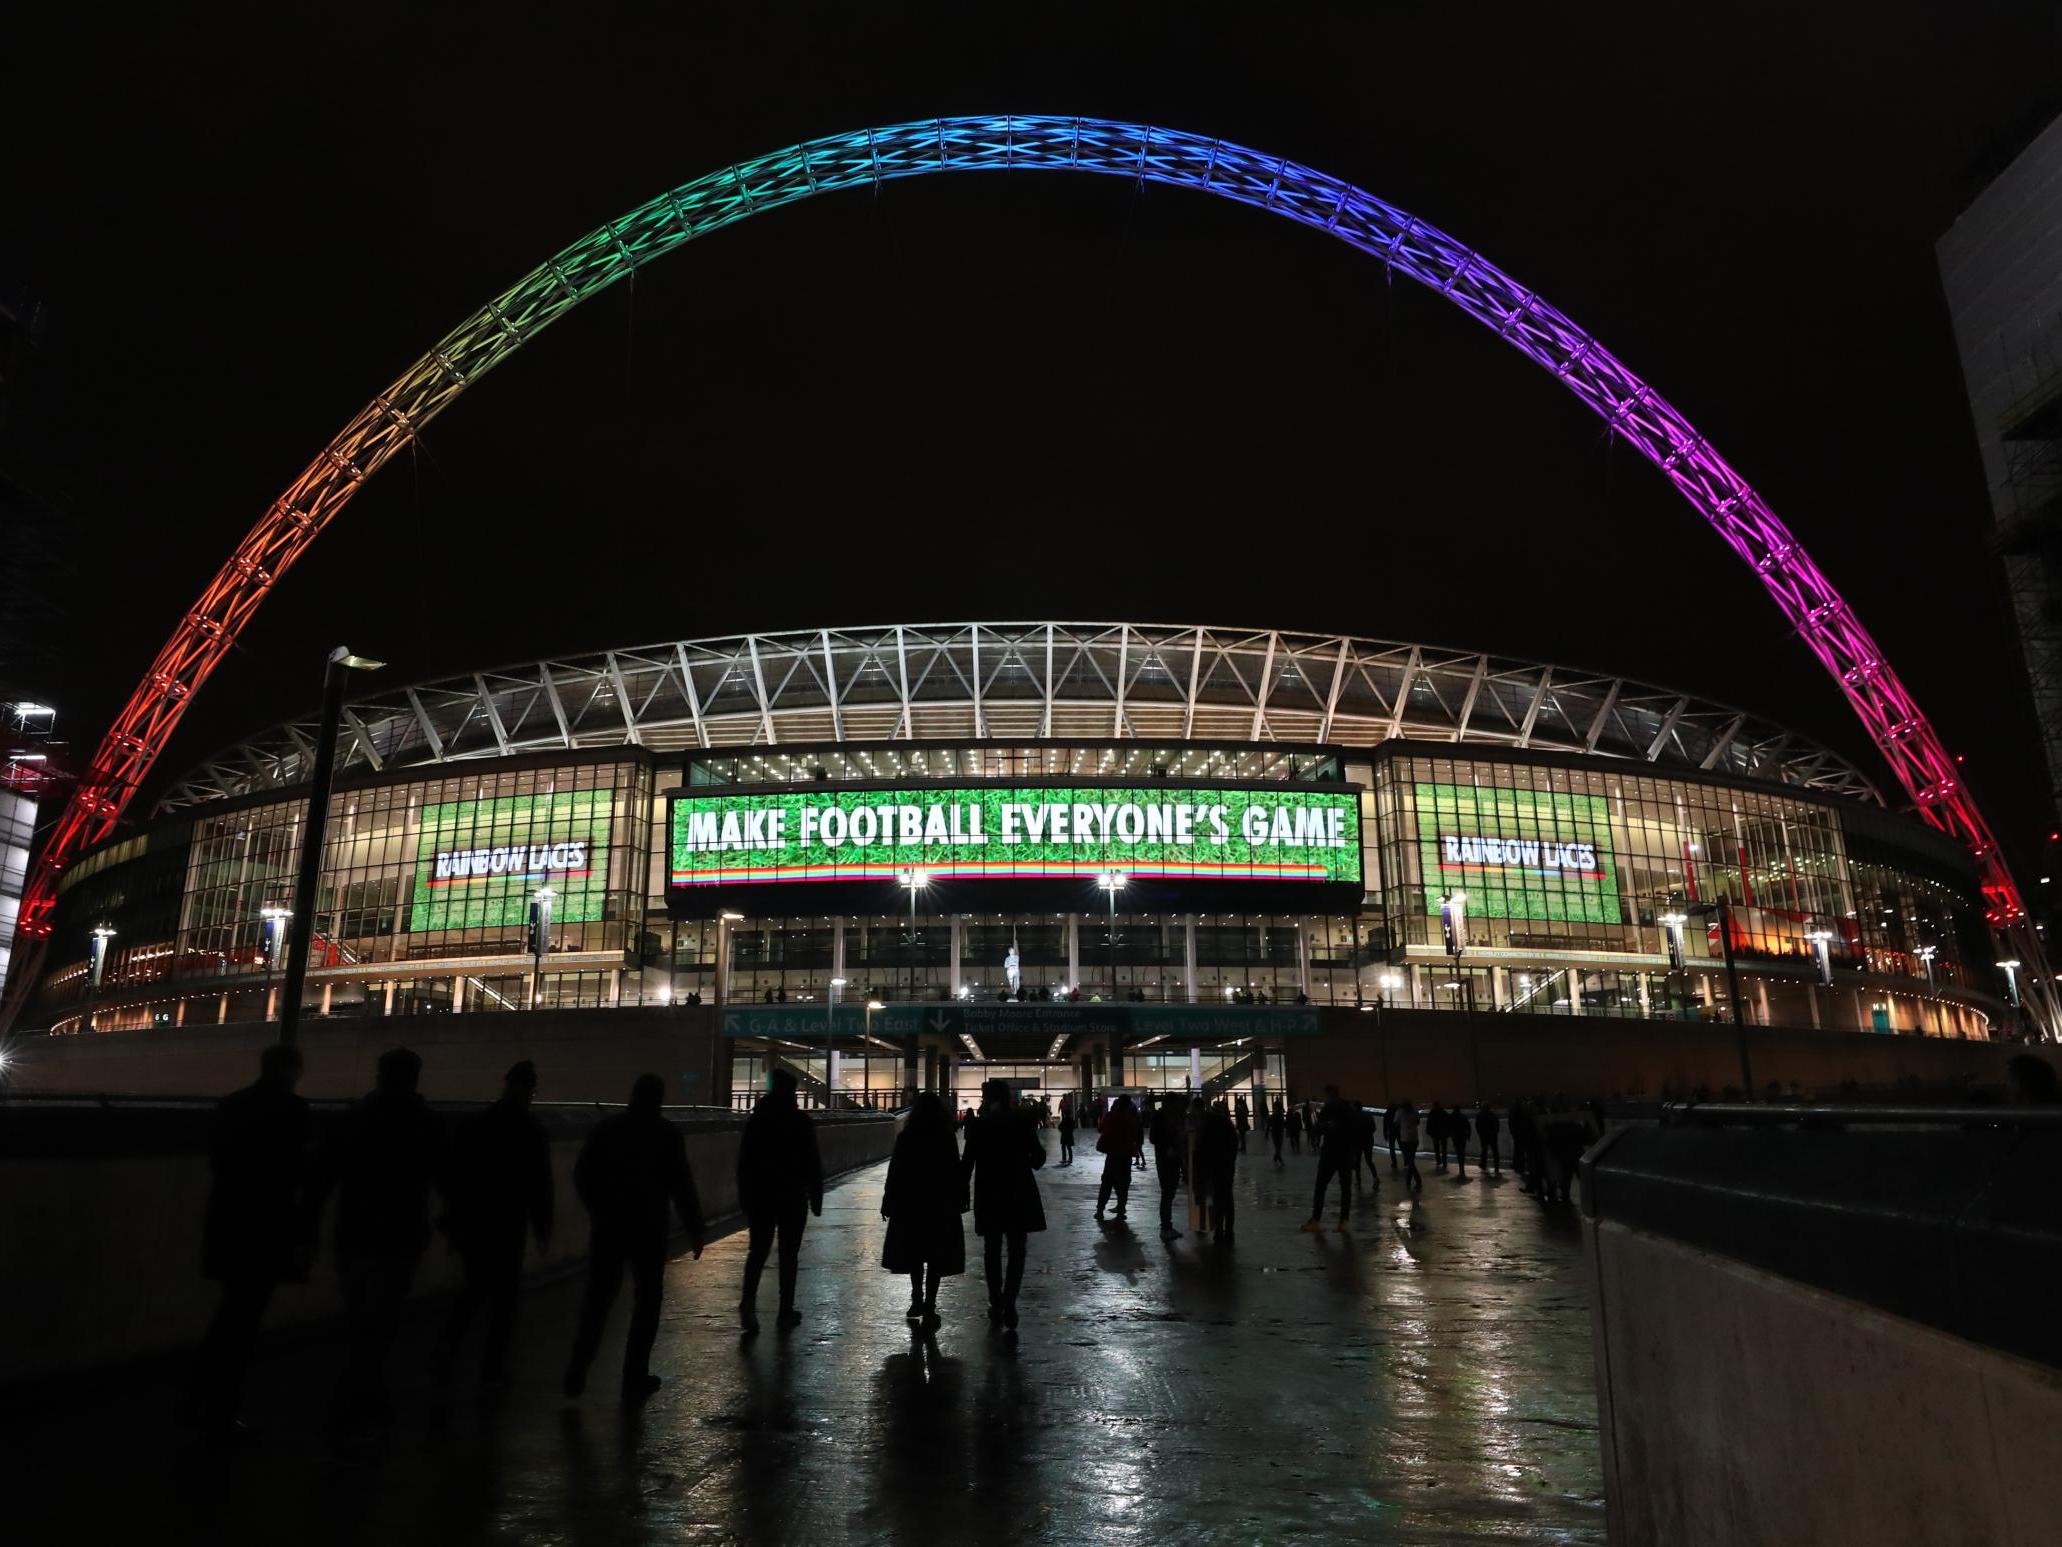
x=1559 y=878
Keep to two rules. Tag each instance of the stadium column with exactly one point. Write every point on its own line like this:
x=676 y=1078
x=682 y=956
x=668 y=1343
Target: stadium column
x=838 y=949
x=1302 y=957
x=1188 y=956
x=1073 y=951
x=954 y=968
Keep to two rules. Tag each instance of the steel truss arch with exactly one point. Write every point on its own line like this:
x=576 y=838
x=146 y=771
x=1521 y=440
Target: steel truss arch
x=1631 y=409
x=1037 y=680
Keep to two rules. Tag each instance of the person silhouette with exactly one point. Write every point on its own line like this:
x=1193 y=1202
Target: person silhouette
x=1339 y=1144
x=500 y=1188
x=1486 y=1127
x=1002 y=1152
x=1067 y=1126
x=1117 y=1138
x=920 y=1202
x=1217 y=1159
x=1277 y=1129
x=255 y=1235
x=631 y=1170
x=779 y=1176
x=1170 y=1141
x=383 y=1161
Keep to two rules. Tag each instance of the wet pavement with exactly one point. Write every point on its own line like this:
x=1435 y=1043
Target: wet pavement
x=1423 y=1378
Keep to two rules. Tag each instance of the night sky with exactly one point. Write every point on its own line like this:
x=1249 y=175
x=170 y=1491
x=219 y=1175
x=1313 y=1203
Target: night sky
x=1021 y=396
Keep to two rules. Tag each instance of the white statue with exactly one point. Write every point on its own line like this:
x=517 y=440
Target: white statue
x=1012 y=969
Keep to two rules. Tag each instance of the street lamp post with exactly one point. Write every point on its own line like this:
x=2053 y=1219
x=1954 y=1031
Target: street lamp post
x=540 y=941
x=915 y=877
x=275 y=918
x=97 y=970
x=336 y=674
x=830 y=1056
x=1113 y=881
x=1389 y=983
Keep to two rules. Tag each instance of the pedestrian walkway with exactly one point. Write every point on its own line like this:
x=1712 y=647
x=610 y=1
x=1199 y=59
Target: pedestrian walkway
x=1423 y=1378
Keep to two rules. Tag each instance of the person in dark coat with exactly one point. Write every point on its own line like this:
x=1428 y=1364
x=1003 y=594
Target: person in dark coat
x=1170 y=1139
x=256 y=1234
x=632 y=1170
x=1067 y=1126
x=500 y=1190
x=1117 y=1139
x=1243 y=1121
x=1365 y=1120
x=921 y=1205
x=1296 y=1130
x=1278 y=1129
x=1217 y=1158
x=779 y=1183
x=1486 y=1126
x=1338 y=1155
x=1524 y=1142
x=1389 y=1132
x=1435 y=1130
x=383 y=1161
x=997 y=1169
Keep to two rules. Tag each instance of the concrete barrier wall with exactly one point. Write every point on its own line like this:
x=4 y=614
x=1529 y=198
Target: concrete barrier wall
x=1433 y=1056
x=100 y=1227
x=581 y=1055
x=1740 y=1406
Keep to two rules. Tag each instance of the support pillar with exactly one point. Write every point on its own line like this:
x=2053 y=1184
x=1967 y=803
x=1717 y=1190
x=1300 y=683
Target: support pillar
x=1646 y=1004
x=1303 y=958
x=1574 y=977
x=1073 y=951
x=1188 y=958
x=1811 y=996
x=1195 y=1070
x=1761 y=1001
x=955 y=977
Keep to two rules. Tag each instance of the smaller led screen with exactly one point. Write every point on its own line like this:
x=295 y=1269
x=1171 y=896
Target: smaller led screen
x=1518 y=854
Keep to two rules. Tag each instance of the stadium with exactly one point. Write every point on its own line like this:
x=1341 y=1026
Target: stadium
x=1017 y=834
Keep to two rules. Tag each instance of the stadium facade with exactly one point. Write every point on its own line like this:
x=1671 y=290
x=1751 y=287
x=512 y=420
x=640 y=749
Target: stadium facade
x=1032 y=814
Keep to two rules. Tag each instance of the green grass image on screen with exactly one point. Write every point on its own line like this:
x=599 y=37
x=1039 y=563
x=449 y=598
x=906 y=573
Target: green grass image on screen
x=1524 y=886
x=953 y=817
x=489 y=833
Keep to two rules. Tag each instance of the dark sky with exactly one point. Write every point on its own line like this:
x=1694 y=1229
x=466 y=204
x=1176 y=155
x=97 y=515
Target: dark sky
x=1031 y=395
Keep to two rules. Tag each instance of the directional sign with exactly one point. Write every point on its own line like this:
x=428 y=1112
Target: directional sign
x=1042 y=1021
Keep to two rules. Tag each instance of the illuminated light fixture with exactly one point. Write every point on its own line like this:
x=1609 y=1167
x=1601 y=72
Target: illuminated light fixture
x=729 y=917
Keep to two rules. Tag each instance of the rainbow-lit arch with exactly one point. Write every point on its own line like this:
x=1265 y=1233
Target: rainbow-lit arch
x=1409 y=246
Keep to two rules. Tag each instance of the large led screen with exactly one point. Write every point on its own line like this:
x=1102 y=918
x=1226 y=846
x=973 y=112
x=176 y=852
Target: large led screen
x=477 y=862
x=831 y=834
x=1518 y=854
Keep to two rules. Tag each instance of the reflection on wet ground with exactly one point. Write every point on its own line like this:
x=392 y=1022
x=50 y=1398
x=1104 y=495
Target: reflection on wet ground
x=1423 y=1378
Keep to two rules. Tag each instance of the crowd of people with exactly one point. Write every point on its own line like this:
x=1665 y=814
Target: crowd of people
x=389 y=1161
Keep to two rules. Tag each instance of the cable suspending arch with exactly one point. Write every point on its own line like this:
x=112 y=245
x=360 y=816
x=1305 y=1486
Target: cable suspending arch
x=1631 y=409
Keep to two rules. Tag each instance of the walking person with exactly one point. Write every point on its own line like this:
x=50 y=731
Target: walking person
x=631 y=1171
x=921 y=1203
x=384 y=1160
x=1170 y=1139
x=1338 y=1155
x=1407 y=1141
x=256 y=1234
x=1118 y=1142
x=1457 y=1135
x=1217 y=1158
x=1524 y=1133
x=779 y=1183
x=1243 y=1120
x=1067 y=1129
x=1435 y=1130
x=1295 y=1130
x=1490 y=1158
x=1389 y=1132
x=1144 y=1122
x=1364 y=1126
x=1277 y=1129
x=500 y=1190
x=1002 y=1153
